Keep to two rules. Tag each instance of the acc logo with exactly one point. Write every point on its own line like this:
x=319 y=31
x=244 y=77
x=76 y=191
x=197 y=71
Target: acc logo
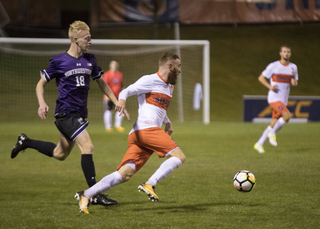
x=296 y=104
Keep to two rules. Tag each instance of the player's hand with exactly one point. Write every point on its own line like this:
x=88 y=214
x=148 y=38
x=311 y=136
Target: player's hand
x=43 y=110
x=125 y=112
x=294 y=82
x=168 y=128
x=275 y=88
x=120 y=106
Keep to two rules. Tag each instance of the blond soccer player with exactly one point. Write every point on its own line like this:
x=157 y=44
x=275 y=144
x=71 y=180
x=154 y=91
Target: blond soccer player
x=282 y=74
x=72 y=71
x=154 y=93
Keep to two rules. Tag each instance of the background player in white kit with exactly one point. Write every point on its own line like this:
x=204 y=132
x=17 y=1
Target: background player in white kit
x=154 y=93
x=282 y=74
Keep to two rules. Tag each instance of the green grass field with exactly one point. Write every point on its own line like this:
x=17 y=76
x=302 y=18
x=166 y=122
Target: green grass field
x=37 y=191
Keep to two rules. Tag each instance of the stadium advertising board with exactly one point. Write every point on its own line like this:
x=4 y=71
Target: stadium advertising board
x=302 y=108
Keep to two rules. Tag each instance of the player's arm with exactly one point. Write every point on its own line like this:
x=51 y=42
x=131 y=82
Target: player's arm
x=168 y=125
x=108 y=92
x=294 y=82
x=43 y=107
x=264 y=82
x=141 y=86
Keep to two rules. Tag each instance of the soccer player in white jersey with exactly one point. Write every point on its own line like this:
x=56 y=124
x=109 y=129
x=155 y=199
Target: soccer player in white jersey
x=282 y=74
x=154 y=94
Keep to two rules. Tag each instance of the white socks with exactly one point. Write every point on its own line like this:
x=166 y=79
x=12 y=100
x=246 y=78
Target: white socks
x=104 y=184
x=278 y=125
x=273 y=130
x=107 y=118
x=118 y=119
x=115 y=178
x=264 y=135
x=164 y=170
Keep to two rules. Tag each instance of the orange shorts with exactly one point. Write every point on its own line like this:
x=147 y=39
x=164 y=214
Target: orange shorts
x=142 y=144
x=277 y=109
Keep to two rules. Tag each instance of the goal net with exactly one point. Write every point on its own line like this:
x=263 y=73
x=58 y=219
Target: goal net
x=21 y=60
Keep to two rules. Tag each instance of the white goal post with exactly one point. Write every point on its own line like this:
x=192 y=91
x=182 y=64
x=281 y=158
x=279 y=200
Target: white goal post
x=6 y=44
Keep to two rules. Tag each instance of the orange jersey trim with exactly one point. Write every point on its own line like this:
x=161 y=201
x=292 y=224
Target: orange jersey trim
x=158 y=100
x=282 y=78
x=162 y=78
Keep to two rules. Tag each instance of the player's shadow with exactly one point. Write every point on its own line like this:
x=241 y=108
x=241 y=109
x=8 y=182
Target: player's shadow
x=190 y=207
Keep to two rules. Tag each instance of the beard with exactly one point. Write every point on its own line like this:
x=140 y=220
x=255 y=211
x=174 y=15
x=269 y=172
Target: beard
x=173 y=76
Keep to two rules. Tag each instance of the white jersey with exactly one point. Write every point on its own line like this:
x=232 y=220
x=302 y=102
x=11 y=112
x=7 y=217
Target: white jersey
x=154 y=97
x=280 y=75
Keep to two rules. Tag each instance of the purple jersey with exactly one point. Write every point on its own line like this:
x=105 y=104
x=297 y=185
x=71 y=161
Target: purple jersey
x=73 y=81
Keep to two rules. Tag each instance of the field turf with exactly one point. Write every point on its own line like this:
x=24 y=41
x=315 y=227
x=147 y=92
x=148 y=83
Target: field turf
x=37 y=191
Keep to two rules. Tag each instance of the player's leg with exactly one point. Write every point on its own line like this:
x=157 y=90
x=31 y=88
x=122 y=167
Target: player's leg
x=92 y=194
x=109 y=181
x=160 y=142
x=258 y=146
x=86 y=147
x=23 y=142
x=280 y=116
x=125 y=171
x=108 y=116
x=63 y=149
x=281 y=121
x=174 y=161
x=118 y=122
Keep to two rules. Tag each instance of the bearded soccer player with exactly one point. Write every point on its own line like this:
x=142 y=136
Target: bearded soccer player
x=72 y=71
x=282 y=74
x=154 y=93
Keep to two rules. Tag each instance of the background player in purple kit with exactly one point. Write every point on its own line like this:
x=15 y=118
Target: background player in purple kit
x=72 y=71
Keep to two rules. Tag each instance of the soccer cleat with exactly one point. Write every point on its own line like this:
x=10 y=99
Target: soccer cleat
x=101 y=199
x=83 y=202
x=120 y=129
x=149 y=189
x=109 y=130
x=272 y=139
x=21 y=145
x=259 y=148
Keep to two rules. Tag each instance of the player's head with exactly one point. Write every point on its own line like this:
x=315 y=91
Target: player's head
x=172 y=63
x=114 y=66
x=285 y=52
x=79 y=34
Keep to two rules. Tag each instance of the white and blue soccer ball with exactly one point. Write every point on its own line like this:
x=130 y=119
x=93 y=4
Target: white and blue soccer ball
x=244 y=181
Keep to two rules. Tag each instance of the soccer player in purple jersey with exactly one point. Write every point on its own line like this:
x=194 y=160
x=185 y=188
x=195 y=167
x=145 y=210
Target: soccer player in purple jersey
x=72 y=71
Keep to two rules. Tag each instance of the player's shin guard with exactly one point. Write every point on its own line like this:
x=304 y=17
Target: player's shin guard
x=104 y=184
x=278 y=125
x=88 y=169
x=264 y=136
x=45 y=148
x=164 y=170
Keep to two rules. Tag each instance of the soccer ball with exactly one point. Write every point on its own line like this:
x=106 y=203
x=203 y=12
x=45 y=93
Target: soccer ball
x=244 y=181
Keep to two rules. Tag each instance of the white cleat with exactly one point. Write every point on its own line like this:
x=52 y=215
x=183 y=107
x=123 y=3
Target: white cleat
x=272 y=139
x=258 y=148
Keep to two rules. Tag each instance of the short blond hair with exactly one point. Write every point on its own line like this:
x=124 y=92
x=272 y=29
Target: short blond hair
x=76 y=27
